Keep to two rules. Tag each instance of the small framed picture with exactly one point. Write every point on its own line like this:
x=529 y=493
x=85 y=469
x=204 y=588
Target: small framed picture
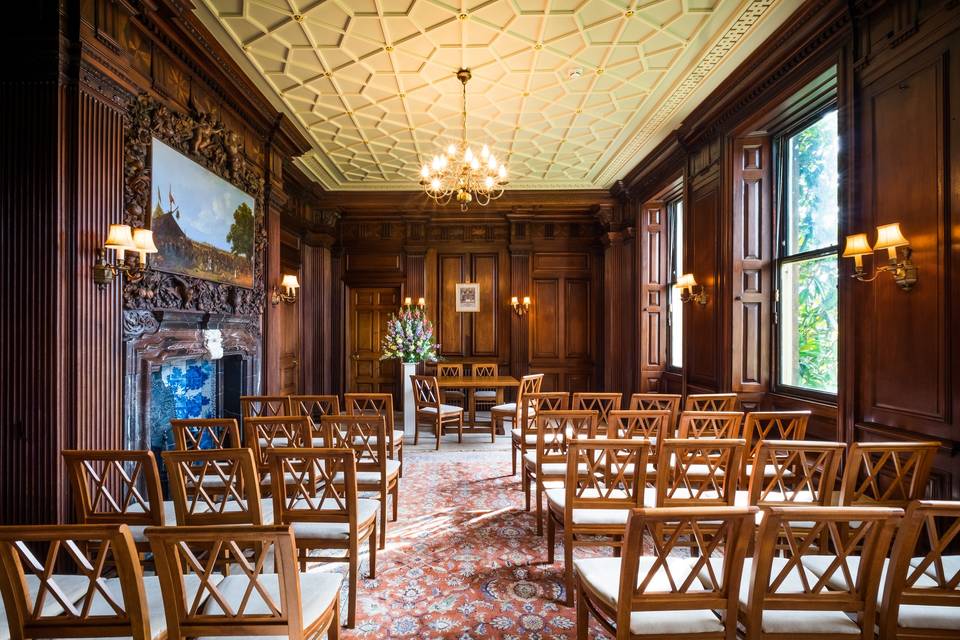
x=468 y=297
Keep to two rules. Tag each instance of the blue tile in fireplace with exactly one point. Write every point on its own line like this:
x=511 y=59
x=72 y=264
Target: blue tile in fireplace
x=180 y=389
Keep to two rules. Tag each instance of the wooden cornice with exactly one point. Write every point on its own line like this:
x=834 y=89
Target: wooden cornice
x=533 y=203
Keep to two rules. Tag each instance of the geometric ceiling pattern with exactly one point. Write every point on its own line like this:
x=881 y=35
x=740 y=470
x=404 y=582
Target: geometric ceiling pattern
x=569 y=93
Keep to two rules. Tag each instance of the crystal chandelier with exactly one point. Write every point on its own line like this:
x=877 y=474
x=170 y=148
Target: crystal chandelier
x=460 y=173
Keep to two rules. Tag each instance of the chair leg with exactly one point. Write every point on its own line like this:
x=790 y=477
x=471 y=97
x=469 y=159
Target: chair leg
x=460 y=428
x=539 y=509
x=416 y=432
x=383 y=520
x=551 y=538
x=373 y=551
x=333 y=631
x=439 y=427
x=583 y=615
x=513 y=454
x=568 y=565
x=396 y=500
x=400 y=458
x=526 y=489
x=352 y=586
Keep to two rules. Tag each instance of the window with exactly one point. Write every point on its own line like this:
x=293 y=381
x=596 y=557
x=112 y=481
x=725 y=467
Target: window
x=807 y=258
x=674 y=306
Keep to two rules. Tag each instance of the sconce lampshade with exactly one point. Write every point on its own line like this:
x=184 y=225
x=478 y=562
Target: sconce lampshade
x=407 y=301
x=514 y=300
x=290 y=282
x=889 y=236
x=120 y=238
x=526 y=300
x=143 y=241
x=686 y=281
x=857 y=245
x=421 y=302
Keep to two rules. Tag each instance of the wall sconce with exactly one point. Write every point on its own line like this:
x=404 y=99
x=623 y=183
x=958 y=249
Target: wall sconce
x=520 y=308
x=690 y=291
x=408 y=302
x=121 y=239
x=289 y=285
x=889 y=237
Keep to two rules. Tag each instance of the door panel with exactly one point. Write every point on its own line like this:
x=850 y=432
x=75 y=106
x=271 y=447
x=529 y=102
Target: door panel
x=369 y=311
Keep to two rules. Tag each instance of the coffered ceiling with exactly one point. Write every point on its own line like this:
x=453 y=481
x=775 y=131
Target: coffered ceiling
x=572 y=93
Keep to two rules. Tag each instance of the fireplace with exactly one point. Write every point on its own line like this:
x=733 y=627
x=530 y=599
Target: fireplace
x=182 y=364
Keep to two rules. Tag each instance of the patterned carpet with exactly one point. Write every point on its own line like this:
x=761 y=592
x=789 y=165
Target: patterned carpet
x=463 y=561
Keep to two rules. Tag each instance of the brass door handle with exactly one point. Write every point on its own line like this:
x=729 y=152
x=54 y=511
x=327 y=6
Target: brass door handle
x=355 y=356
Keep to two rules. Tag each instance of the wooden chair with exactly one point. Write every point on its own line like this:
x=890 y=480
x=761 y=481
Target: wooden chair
x=711 y=402
x=263 y=595
x=770 y=425
x=547 y=464
x=602 y=403
x=809 y=593
x=118 y=487
x=801 y=473
x=324 y=513
x=651 y=426
x=887 y=473
x=510 y=411
x=524 y=437
x=920 y=599
x=264 y=433
x=486 y=398
x=314 y=407
x=696 y=472
x=710 y=424
x=263 y=406
x=235 y=496
x=601 y=488
x=376 y=473
x=108 y=596
x=658 y=402
x=426 y=397
x=378 y=404
x=205 y=433
x=456 y=397
x=663 y=597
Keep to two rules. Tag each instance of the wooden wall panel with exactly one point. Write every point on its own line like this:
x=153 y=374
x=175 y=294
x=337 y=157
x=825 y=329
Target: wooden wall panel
x=452 y=336
x=576 y=308
x=653 y=294
x=701 y=338
x=484 y=334
x=545 y=320
x=519 y=325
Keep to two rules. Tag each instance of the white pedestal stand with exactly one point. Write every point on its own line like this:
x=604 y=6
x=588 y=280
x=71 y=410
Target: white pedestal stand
x=409 y=369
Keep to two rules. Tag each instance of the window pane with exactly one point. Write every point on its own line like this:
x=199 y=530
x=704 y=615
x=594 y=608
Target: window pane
x=808 y=324
x=676 y=329
x=675 y=348
x=812 y=202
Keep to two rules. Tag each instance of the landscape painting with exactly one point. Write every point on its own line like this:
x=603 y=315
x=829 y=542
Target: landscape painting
x=203 y=226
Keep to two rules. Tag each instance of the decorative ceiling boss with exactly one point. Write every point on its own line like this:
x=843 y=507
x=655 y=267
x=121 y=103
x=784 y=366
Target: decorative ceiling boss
x=462 y=174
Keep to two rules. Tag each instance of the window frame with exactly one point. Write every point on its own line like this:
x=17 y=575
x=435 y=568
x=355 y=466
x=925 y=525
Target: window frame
x=673 y=272
x=780 y=151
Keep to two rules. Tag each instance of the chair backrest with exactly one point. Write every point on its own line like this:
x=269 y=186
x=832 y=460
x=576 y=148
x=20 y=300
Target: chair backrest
x=537 y=402
x=364 y=435
x=104 y=597
x=426 y=392
x=657 y=581
x=214 y=486
x=698 y=471
x=451 y=369
x=605 y=474
x=260 y=596
x=314 y=485
x=314 y=407
x=808 y=578
x=253 y=406
x=887 y=473
x=711 y=402
x=205 y=433
x=263 y=433
x=710 y=424
x=556 y=429
x=602 y=403
x=115 y=487
x=657 y=402
x=485 y=370
x=651 y=425
x=920 y=571
x=373 y=404
x=528 y=384
x=792 y=472
x=773 y=425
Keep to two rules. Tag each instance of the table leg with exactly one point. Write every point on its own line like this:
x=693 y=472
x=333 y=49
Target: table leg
x=473 y=407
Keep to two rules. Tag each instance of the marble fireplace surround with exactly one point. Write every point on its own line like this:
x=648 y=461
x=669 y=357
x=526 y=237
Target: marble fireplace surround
x=152 y=338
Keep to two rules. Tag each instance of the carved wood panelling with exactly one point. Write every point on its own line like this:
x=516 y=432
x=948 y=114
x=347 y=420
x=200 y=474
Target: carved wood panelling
x=701 y=336
x=452 y=335
x=545 y=334
x=484 y=333
x=652 y=240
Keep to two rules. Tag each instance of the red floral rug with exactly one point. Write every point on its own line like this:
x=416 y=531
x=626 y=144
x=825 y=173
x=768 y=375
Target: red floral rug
x=464 y=561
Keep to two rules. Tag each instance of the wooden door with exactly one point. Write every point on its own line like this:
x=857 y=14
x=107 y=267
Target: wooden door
x=369 y=311
x=289 y=347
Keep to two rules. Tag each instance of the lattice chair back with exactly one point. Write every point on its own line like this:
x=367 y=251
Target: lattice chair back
x=887 y=473
x=531 y=383
x=832 y=563
x=649 y=425
x=261 y=595
x=214 y=487
x=263 y=406
x=772 y=425
x=102 y=596
x=556 y=429
x=710 y=424
x=605 y=474
x=711 y=402
x=315 y=407
x=426 y=392
x=374 y=404
x=115 y=487
x=602 y=403
x=262 y=434
x=205 y=433
x=660 y=581
x=320 y=486
x=657 y=402
x=537 y=402
x=454 y=370
x=924 y=571
x=791 y=472
x=485 y=370
x=365 y=436
x=700 y=471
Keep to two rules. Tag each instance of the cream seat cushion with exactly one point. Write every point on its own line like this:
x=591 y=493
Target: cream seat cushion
x=603 y=576
x=366 y=510
x=318 y=590
x=650 y=497
x=169 y=518
x=154 y=598
x=232 y=506
x=557 y=499
x=548 y=468
x=373 y=477
x=532 y=437
x=769 y=471
x=444 y=409
x=508 y=407
x=484 y=393
x=73 y=588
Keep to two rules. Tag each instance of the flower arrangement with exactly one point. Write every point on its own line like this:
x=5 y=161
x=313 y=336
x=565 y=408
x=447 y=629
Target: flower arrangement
x=409 y=336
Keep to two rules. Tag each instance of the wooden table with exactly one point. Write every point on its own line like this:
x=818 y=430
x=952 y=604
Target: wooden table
x=472 y=383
